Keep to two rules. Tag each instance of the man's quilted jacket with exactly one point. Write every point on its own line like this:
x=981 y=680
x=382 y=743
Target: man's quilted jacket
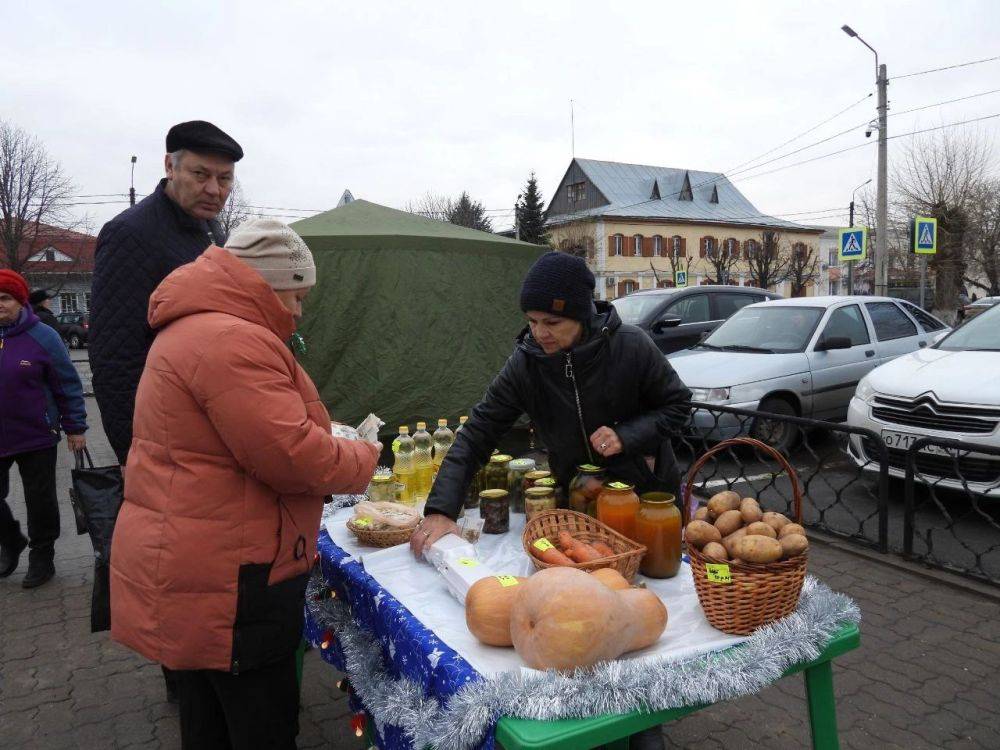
x=135 y=251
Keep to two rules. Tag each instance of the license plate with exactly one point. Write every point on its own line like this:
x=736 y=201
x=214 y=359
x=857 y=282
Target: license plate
x=902 y=441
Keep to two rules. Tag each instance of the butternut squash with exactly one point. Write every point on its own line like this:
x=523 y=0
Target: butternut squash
x=487 y=608
x=611 y=578
x=563 y=618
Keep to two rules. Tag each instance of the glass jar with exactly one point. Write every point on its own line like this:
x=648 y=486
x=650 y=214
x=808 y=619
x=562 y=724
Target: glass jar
x=517 y=470
x=475 y=487
x=494 y=507
x=658 y=527
x=617 y=507
x=537 y=499
x=495 y=473
x=550 y=482
x=384 y=489
x=533 y=476
x=585 y=488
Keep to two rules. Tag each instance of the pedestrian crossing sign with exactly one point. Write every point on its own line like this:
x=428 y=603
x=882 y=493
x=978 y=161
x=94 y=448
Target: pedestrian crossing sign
x=680 y=279
x=853 y=244
x=924 y=235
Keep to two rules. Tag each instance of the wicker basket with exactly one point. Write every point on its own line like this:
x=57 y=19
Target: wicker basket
x=758 y=593
x=549 y=523
x=374 y=538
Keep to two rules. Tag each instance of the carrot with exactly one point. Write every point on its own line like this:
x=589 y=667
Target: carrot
x=583 y=553
x=544 y=550
x=566 y=541
x=604 y=549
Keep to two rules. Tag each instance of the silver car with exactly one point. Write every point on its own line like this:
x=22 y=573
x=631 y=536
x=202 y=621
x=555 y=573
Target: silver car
x=797 y=357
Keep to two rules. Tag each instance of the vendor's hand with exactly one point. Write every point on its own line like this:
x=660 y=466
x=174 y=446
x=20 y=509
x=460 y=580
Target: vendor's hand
x=76 y=442
x=429 y=530
x=606 y=442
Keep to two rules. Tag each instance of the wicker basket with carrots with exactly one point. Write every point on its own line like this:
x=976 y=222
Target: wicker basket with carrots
x=566 y=538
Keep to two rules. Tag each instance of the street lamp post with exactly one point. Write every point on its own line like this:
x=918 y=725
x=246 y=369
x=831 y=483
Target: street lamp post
x=131 y=190
x=882 y=201
x=850 y=264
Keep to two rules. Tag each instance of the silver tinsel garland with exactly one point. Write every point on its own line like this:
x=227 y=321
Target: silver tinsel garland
x=613 y=687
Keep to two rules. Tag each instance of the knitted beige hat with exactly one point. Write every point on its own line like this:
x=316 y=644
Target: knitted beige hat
x=275 y=251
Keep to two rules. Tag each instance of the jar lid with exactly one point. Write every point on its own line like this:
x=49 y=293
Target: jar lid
x=538 y=492
x=619 y=486
x=534 y=476
x=501 y=458
x=589 y=469
x=493 y=494
x=521 y=464
x=548 y=482
x=382 y=478
x=658 y=498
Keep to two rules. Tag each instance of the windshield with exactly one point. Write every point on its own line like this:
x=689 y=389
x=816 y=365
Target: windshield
x=769 y=330
x=637 y=308
x=981 y=334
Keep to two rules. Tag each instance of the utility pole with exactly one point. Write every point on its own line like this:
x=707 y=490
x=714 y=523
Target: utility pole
x=131 y=190
x=882 y=204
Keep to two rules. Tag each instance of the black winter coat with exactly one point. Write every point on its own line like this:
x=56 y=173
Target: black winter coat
x=135 y=251
x=623 y=381
x=48 y=318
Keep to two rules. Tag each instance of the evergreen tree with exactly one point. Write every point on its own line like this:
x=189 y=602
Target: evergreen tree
x=469 y=213
x=529 y=211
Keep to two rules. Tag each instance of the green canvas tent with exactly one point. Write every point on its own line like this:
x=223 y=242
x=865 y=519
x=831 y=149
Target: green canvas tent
x=410 y=318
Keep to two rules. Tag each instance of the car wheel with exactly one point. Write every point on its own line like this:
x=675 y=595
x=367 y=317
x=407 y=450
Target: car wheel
x=74 y=341
x=777 y=433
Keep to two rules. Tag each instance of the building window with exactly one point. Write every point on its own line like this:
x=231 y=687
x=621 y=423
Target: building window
x=68 y=302
x=677 y=246
x=637 y=245
x=657 y=246
x=708 y=247
x=732 y=247
x=86 y=301
x=751 y=248
x=617 y=245
x=50 y=254
x=576 y=192
x=630 y=286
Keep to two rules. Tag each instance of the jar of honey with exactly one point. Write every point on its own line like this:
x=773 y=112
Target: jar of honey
x=585 y=488
x=617 y=506
x=658 y=527
x=537 y=499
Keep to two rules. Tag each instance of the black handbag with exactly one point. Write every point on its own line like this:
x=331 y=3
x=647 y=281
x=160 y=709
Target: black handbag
x=96 y=496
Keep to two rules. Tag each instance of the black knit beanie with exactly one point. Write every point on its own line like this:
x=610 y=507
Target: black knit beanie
x=561 y=284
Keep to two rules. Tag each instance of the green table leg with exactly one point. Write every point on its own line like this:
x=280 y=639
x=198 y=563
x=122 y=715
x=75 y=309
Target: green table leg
x=822 y=706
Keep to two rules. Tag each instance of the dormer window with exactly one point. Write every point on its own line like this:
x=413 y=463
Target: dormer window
x=686 y=194
x=576 y=192
x=715 y=194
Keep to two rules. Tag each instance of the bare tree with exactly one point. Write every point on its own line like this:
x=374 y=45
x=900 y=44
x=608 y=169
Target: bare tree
x=983 y=247
x=803 y=268
x=577 y=239
x=768 y=265
x=724 y=256
x=938 y=176
x=235 y=211
x=34 y=196
x=432 y=206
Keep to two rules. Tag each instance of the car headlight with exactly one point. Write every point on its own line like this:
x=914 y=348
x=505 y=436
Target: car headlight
x=710 y=395
x=865 y=390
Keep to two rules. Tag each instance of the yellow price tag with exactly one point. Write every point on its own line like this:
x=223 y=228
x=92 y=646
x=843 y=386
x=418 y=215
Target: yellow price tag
x=363 y=522
x=468 y=562
x=395 y=446
x=718 y=573
x=543 y=544
x=506 y=581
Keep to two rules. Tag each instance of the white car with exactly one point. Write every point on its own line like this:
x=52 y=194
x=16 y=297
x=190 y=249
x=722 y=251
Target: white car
x=950 y=390
x=796 y=357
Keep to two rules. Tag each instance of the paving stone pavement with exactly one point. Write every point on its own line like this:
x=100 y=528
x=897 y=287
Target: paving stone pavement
x=924 y=677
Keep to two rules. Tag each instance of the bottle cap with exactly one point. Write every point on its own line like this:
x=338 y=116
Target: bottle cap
x=404 y=430
x=421 y=425
x=442 y=423
x=463 y=420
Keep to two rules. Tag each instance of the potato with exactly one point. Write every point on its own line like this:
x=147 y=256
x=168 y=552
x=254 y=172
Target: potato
x=790 y=528
x=729 y=522
x=722 y=502
x=716 y=551
x=729 y=541
x=701 y=514
x=700 y=533
x=750 y=510
x=761 y=529
x=757 y=549
x=775 y=520
x=793 y=544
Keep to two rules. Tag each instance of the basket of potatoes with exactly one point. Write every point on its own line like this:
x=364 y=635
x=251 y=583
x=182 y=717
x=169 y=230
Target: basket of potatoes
x=748 y=565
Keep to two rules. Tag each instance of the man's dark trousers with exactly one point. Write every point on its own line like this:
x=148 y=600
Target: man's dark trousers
x=38 y=475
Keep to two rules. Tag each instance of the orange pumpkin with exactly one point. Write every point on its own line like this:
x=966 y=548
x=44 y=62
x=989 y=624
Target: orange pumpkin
x=487 y=608
x=611 y=578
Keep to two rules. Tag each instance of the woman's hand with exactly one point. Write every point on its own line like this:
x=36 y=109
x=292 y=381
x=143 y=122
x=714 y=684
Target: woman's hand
x=429 y=530
x=76 y=442
x=606 y=442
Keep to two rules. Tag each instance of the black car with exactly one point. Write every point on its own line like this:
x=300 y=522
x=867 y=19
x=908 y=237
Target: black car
x=74 y=327
x=679 y=318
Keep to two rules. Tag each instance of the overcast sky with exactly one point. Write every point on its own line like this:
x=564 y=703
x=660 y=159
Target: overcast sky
x=393 y=100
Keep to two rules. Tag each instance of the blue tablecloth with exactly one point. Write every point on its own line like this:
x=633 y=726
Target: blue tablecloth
x=408 y=648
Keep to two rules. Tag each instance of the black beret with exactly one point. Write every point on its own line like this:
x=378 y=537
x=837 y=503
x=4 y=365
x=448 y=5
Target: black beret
x=198 y=135
x=39 y=295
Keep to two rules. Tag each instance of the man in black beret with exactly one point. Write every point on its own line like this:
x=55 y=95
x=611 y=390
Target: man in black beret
x=137 y=249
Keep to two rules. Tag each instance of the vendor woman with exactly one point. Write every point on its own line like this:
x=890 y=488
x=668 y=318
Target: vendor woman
x=596 y=390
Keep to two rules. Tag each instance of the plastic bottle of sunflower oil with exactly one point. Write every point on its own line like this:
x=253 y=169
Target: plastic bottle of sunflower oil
x=403 y=466
x=443 y=440
x=423 y=460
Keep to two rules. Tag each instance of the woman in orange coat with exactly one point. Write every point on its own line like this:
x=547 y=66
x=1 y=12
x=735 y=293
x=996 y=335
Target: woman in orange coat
x=231 y=457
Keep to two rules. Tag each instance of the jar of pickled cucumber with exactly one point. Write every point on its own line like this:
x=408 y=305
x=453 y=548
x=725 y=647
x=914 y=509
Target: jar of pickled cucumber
x=533 y=476
x=517 y=470
x=475 y=487
x=538 y=499
x=551 y=483
x=495 y=473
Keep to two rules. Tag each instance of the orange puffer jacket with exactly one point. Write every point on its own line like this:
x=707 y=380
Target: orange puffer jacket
x=231 y=458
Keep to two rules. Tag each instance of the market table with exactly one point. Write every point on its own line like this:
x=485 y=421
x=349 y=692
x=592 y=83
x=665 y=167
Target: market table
x=394 y=661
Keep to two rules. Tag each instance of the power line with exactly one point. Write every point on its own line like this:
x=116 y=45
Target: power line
x=947 y=67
